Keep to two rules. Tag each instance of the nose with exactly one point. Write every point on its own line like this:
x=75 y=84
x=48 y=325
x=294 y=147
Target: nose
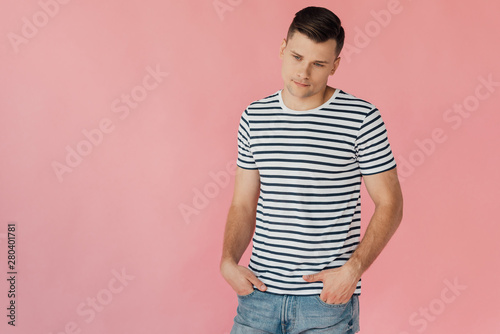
x=303 y=70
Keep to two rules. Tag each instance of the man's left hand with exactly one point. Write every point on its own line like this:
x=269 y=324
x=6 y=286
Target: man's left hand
x=339 y=284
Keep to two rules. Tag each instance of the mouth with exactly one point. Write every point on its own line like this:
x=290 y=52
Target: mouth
x=300 y=84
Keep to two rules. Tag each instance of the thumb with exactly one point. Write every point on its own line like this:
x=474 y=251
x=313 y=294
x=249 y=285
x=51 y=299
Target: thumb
x=258 y=283
x=314 y=277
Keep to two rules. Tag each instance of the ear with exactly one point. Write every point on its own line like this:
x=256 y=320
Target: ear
x=336 y=64
x=282 y=48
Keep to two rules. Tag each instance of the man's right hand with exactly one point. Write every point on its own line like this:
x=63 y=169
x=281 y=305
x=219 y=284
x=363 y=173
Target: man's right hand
x=240 y=278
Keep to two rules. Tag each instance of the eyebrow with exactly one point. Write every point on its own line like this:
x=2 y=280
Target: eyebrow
x=316 y=61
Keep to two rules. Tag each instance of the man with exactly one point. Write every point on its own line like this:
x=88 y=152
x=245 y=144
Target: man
x=302 y=153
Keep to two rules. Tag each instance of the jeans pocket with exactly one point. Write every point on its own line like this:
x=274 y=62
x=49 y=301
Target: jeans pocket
x=248 y=295
x=332 y=305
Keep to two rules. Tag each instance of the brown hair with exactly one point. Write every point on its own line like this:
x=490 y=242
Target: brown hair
x=318 y=24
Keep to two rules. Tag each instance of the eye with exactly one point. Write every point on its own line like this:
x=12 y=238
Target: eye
x=296 y=57
x=318 y=65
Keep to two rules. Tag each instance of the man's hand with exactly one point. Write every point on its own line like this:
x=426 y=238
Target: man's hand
x=241 y=278
x=339 y=284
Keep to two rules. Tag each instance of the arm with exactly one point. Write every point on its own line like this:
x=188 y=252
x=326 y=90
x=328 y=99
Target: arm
x=340 y=283
x=385 y=192
x=239 y=230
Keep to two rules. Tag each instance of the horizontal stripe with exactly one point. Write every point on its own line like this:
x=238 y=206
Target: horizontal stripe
x=303 y=240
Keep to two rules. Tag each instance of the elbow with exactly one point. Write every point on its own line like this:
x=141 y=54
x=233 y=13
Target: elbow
x=393 y=210
x=399 y=210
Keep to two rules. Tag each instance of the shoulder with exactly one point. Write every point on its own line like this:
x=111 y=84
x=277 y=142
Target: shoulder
x=258 y=108
x=268 y=101
x=350 y=101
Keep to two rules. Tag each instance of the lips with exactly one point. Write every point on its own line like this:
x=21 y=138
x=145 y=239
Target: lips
x=300 y=84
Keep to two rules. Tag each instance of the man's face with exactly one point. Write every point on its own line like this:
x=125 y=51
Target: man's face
x=306 y=65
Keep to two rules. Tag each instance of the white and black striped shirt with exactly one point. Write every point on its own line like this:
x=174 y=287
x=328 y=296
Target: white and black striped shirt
x=310 y=164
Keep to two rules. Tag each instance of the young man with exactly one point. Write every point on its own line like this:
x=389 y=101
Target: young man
x=302 y=153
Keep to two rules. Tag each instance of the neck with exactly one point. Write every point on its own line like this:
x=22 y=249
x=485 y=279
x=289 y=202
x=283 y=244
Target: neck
x=306 y=103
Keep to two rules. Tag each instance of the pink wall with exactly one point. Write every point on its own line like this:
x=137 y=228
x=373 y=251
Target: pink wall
x=102 y=244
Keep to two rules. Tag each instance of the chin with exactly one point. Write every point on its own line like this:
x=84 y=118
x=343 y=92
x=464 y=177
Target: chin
x=298 y=91
x=301 y=93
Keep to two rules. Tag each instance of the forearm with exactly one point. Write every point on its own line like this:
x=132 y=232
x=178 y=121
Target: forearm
x=383 y=224
x=239 y=230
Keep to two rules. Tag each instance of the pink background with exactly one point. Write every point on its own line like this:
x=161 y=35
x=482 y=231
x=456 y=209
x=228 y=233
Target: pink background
x=150 y=197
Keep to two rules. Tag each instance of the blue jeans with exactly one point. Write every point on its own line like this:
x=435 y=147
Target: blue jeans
x=263 y=312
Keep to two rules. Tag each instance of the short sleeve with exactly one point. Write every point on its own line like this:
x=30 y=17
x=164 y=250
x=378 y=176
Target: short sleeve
x=373 y=150
x=245 y=156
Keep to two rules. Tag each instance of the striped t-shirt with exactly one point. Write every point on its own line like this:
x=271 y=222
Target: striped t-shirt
x=310 y=164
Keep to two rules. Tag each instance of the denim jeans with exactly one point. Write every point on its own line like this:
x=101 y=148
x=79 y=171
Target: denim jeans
x=263 y=312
